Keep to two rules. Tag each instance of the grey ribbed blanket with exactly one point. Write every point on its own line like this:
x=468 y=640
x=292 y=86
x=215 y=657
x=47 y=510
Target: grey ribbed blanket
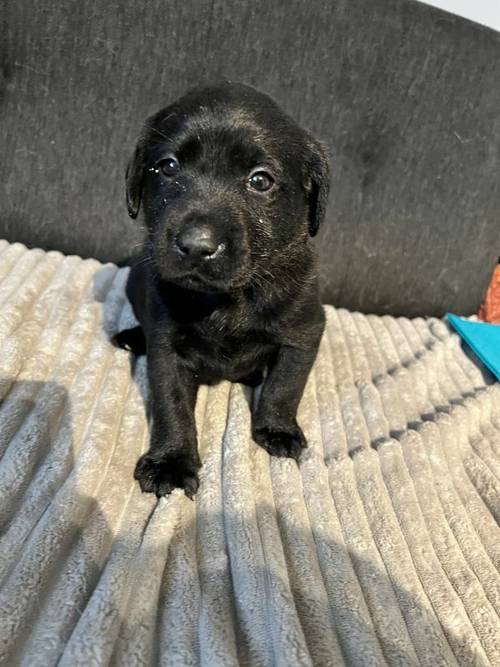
x=382 y=548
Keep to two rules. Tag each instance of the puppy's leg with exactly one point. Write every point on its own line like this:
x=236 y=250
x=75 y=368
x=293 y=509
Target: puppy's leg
x=172 y=460
x=274 y=424
x=132 y=340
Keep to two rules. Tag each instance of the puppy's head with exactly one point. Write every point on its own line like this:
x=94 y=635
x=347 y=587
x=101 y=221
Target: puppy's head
x=229 y=186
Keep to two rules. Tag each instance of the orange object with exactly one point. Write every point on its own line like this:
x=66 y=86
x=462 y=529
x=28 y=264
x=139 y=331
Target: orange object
x=489 y=310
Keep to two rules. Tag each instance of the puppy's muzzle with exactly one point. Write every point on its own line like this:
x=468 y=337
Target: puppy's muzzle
x=198 y=244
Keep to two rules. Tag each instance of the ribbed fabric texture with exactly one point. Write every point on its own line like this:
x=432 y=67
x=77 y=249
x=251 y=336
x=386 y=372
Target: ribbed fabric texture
x=383 y=547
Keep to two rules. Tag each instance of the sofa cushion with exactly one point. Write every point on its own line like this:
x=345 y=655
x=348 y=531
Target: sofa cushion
x=382 y=547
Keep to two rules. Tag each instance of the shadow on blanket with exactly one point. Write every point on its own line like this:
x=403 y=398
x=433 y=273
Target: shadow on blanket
x=92 y=572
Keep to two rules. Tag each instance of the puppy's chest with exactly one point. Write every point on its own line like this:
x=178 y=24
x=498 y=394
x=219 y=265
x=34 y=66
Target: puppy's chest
x=216 y=350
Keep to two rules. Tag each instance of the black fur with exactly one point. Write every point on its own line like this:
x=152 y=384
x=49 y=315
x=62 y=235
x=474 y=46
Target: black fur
x=248 y=304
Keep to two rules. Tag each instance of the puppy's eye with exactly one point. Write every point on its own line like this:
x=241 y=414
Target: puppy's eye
x=261 y=181
x=169 y=166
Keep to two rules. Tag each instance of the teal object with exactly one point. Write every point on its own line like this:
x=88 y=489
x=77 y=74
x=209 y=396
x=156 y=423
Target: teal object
x=483 y=338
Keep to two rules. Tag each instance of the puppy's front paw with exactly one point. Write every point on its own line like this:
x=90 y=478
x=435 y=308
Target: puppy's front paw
x=162 y=475
x=281 y=442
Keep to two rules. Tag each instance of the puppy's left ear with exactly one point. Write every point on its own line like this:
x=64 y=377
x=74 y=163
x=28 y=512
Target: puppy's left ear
x=317 y=185
x=133 y=178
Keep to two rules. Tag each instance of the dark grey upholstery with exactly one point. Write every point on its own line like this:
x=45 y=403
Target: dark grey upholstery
x=406 y=97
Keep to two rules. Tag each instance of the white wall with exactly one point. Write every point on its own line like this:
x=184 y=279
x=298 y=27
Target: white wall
x=486 y=12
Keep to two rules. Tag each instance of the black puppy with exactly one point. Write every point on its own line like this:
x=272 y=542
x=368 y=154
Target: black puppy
x=226 y=287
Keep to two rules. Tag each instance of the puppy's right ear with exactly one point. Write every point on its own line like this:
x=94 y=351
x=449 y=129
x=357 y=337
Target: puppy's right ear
x=134 y=177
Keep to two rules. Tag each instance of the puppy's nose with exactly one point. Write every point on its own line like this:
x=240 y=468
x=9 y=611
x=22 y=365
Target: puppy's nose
x=197 y=242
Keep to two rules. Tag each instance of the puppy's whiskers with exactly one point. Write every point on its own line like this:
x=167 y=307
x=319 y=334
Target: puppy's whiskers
x=263 y=283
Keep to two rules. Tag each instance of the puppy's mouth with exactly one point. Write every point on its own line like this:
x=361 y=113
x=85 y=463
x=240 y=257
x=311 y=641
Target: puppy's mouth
x=200 y=283
x=210 y=276
x=196 y=282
